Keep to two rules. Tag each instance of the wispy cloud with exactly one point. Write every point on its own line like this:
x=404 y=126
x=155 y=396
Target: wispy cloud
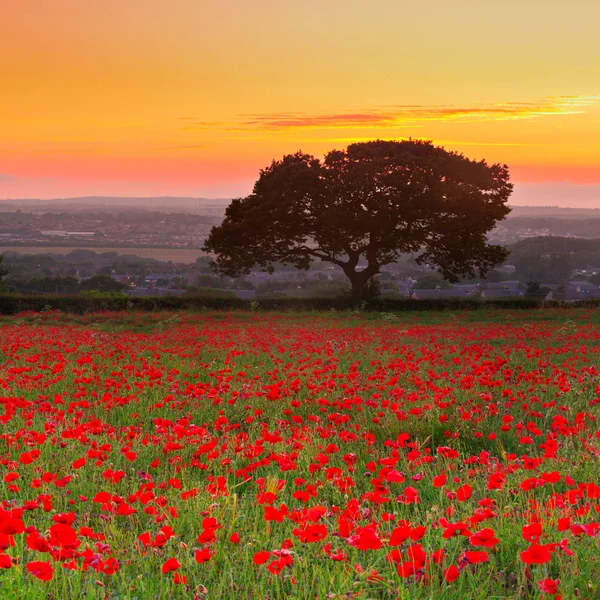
x=404 y=115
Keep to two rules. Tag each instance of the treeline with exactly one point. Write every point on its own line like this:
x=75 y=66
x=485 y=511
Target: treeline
x=63 y=285
x=553 y=259
x=11 y=304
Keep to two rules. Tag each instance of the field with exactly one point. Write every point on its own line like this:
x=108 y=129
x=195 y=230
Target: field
x=332 y=456
x=177 y=255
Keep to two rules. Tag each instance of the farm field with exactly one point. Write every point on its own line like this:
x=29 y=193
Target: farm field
x=332 y=456
x=177 y=255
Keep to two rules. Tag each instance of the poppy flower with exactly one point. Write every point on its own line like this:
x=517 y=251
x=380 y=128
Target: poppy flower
x=536 y=555
x=548 y=586
x=440 y=480
x=365 y=539
x=464 y=492
x=475 y=557
x=171 y=564
x=5 y=561
x=203 y=555
x=451 y=573
x=533 y=532
x=41 y=570
x=260 y=558
x=485 y=538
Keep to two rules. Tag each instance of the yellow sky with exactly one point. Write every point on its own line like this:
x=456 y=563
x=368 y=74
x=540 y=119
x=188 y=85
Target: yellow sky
x=193 y=97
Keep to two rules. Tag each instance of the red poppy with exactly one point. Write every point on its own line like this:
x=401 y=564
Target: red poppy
x=536 y=555
x=365 y=538
x=202 y=556
x=440 y=480
x=171 y=564
x=5 y=561
x=464 y=492
x=548 y=586
x=485 y=538
x=41 y=570
x=533 y=532
x=451 y=573
x=260 y=558
x=474 y=557
x=62 y=535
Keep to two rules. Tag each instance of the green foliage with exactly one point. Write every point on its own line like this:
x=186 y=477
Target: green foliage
x=535 y=290
x=206 y=292
x=555 y=267
x=102 y=283
x=431 y=281
x=48 y=285
x=3 y=272
x=372 y=202
x=86 y=303
x=115 y=294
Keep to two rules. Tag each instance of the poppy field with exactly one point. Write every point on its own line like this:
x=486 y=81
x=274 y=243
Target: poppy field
x=320 y=456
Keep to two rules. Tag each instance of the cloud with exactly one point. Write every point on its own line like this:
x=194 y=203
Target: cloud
x=405 y=115
x=7 y=178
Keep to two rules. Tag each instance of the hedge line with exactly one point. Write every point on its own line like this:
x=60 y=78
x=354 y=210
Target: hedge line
x=11 y=304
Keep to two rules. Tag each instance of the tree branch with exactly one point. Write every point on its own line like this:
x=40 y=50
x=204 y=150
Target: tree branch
x=316 y=253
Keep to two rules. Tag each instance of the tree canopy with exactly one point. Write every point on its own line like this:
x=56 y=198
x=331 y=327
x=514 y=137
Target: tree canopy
x=363 y=207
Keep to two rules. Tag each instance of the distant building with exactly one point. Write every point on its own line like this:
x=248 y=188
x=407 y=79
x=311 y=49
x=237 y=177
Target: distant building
x=512 y=285
x=575 y=291
x=491 y=294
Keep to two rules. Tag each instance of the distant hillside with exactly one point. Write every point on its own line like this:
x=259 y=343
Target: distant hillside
x=581 y=253
x=525 y=222
x=158 y=203
x=555 y=212
x=551 y=244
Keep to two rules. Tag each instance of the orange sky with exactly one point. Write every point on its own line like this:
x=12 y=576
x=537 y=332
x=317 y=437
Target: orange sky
x=193 y=97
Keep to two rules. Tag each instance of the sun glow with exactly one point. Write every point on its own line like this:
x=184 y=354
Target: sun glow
x=194 y=98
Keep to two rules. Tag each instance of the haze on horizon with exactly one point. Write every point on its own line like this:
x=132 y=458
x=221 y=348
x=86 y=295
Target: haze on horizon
x=155 y=98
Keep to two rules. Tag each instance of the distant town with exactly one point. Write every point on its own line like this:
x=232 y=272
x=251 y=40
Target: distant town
x=58 y=246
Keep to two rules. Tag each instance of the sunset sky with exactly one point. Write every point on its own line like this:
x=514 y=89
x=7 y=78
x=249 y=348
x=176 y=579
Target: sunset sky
x=193 y=97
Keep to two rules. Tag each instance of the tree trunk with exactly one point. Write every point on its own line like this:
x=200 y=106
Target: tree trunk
x=359 y=287
x=359 y=281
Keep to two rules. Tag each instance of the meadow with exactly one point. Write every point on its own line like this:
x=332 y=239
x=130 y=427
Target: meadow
x=332 y=456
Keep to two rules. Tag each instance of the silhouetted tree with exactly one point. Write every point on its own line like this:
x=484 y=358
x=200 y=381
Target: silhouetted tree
x=372 y=202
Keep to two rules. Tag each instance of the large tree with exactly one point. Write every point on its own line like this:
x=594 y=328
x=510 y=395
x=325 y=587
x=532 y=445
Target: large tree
x=361 y=208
